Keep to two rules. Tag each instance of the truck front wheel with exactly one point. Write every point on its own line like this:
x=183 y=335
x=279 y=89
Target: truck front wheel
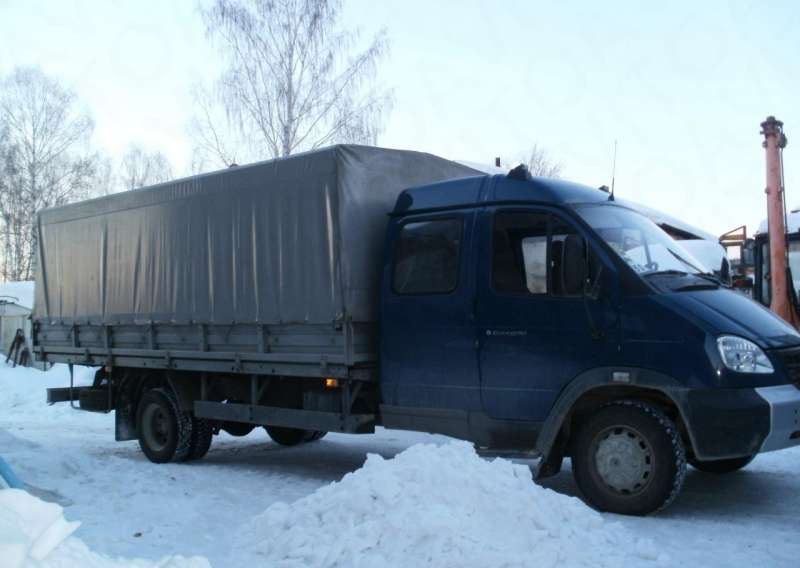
x=165 y=431
x=721 y=466
x=629 y=459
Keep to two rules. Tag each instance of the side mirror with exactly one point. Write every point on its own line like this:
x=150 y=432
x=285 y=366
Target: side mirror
x=748 y=254
x=574 y=267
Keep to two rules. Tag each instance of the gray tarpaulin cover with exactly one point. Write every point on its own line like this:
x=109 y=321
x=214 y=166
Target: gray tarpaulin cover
x=299 y=239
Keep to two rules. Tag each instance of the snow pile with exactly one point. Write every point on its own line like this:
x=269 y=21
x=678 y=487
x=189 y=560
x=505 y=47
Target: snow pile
x=21 y=292
x=23 y=390
x=30 y=528
x=35 y=534
x=439 y=506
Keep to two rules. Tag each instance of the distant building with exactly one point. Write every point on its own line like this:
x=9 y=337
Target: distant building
x=16 y=306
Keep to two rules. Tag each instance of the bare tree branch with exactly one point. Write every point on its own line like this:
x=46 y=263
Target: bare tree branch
x=291 y=81
x=540 y=164
x=140 y=168
x=44 y=160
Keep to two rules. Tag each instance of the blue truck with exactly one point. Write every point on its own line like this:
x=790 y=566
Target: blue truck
x=355 y=287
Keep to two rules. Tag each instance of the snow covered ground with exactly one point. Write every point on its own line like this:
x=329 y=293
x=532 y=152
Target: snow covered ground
x=251 y=502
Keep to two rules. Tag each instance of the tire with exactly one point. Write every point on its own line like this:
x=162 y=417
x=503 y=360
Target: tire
x=287 y=394
x=238 y=429
x=202 y=432
x=165 y=431
x=721 y=466
x=315 y=435
x=629 y=459
x=288 y=436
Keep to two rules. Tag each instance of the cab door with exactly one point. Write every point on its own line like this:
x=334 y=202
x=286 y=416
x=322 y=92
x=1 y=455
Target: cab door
x=428 y=351
x=536 y=329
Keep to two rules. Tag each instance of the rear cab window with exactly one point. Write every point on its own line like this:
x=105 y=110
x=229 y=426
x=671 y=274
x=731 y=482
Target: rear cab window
x=427 y=259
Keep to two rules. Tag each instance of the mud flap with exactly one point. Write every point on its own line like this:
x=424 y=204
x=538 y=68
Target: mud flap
x=125 y=424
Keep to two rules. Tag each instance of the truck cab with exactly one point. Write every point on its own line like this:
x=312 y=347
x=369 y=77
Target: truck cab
x=761 y=260
x=540 y=315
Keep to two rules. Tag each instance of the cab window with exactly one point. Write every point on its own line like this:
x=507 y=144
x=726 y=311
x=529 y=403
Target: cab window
x=427 y=257
x=537 y=254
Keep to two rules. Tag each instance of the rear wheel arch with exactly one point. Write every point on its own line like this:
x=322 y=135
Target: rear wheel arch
x=186 y=386
x=129 y=391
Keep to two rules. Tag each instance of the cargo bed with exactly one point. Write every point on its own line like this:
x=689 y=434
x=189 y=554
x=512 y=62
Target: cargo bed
x=268 y=269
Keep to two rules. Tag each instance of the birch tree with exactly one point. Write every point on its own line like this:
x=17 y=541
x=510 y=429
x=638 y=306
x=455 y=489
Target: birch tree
x=139 y=168
x=45 y=159
x=292 y=81
x=541 y=164
x=105 y=180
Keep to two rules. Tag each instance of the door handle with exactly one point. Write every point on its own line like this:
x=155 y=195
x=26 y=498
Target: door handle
x=506 y=332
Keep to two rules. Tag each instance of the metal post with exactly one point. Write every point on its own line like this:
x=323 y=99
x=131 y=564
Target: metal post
x=774 y=142
x=71 y=368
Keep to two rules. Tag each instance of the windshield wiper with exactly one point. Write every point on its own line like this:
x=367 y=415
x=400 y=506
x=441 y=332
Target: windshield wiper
x=707 y=285
x=710 y=276
x=684 y=261
x=711 y=281
x=670 y=272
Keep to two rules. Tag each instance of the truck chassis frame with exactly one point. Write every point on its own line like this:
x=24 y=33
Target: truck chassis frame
x=205 y=364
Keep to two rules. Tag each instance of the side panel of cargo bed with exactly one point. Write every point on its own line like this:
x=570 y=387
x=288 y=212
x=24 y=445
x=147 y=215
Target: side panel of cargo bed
x=345 y=351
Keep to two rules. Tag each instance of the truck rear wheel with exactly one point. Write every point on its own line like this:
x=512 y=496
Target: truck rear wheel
x=238 y=429
x=721 y=466
x=288 y=436
x=314 y=435
x=165 y=431
x=202 y=433
x=629 y=459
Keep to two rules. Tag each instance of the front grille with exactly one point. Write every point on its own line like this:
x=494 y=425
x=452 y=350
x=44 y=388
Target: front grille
x=790 y=359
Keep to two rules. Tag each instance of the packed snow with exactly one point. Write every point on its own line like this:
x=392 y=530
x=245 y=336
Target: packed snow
x=35 y=534
x=440 y=506
x=419 y=499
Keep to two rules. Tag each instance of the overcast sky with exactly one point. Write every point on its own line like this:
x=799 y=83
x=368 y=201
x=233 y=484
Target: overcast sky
x=682 y=86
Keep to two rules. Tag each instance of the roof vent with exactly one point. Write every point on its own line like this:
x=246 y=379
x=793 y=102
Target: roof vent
x=520 y=173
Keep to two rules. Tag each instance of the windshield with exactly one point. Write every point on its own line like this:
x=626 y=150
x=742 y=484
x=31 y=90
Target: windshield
x=639 y=241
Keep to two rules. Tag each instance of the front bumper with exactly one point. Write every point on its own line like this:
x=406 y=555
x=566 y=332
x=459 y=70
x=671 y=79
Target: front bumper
x=784 y=406
x=732 y=423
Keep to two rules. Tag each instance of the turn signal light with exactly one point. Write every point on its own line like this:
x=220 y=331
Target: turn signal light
x=331 y=383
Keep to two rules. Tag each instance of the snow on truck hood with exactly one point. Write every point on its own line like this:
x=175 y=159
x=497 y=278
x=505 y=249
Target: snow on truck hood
x=439 y=506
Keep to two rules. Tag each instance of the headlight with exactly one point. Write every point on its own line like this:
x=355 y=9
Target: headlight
x=742 y=355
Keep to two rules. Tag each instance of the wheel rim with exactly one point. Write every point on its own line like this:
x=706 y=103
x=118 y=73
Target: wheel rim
x=156 y=426
x=624 y=460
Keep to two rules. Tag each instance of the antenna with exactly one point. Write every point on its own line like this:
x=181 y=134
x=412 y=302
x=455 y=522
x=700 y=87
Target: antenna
x=613 y=173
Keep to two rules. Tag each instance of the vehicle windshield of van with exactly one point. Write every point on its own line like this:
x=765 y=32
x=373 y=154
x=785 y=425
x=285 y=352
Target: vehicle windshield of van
x=639 y=241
